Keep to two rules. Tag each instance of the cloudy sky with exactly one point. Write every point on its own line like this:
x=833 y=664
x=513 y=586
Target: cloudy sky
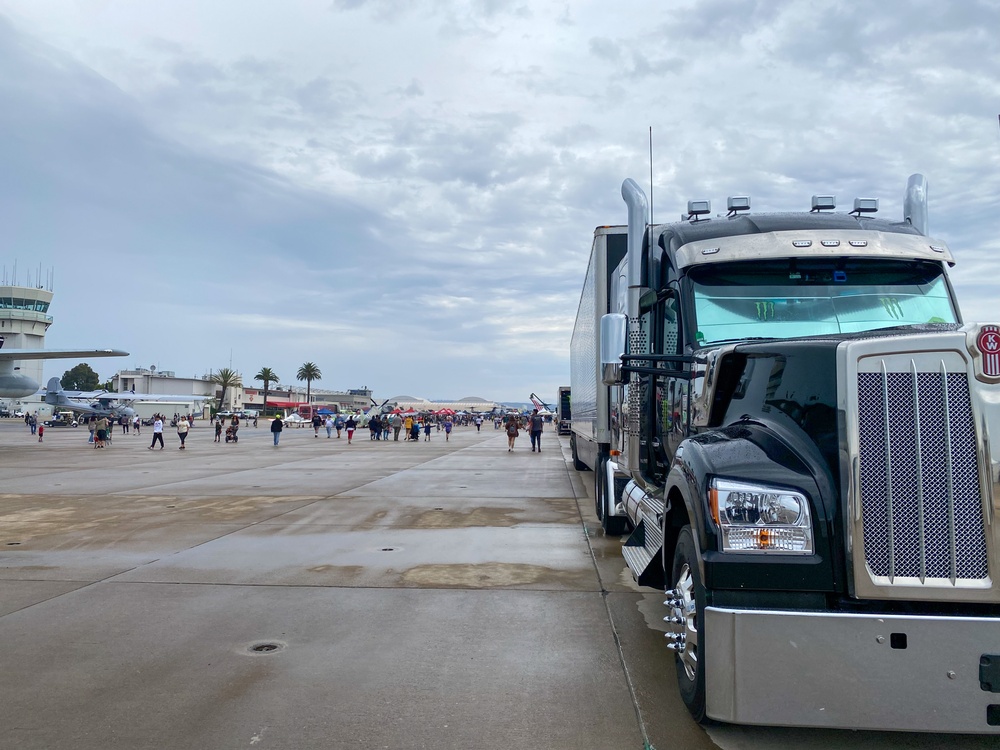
x=404 y=191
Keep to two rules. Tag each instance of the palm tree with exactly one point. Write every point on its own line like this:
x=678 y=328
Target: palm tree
x=227 y=379
x=267 y=375
x=309 y=372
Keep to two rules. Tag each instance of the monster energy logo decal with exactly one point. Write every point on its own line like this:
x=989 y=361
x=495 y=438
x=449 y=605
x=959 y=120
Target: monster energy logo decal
x=892 y=307
x=765 y=310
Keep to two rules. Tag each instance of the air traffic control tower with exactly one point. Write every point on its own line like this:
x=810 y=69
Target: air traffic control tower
x=24 y=319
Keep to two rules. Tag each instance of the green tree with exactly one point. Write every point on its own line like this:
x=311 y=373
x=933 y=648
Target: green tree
x=309 y=372
x=80 y=378
x=227 y=379
x=268 y=376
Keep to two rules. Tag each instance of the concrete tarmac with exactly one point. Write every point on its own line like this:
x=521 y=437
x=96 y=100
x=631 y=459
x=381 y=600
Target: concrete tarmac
x=319 y=595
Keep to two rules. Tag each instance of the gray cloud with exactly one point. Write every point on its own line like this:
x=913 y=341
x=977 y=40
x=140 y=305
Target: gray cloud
x=405 y=192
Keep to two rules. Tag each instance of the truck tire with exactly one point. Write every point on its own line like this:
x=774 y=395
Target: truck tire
x=689 y=593
x=613 y=525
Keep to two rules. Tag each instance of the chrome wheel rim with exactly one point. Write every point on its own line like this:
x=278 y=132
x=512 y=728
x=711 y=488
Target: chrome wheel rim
x=686 y=613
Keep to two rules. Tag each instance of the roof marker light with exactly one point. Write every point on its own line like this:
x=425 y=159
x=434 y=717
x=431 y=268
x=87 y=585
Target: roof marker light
x=801 y=243
x=859 y=243
x=830 y=243
x=824 y=202
x=737 y=203
x=710 y=250
x=697 y=209
x=937 y=248
x=865 y=205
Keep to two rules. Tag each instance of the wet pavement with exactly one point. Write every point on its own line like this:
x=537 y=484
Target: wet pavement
x=319 y=595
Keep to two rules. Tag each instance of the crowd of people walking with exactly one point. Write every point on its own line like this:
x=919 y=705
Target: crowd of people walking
x=412 y=426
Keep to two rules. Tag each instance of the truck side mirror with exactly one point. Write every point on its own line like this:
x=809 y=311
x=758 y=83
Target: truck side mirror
x=614 y=328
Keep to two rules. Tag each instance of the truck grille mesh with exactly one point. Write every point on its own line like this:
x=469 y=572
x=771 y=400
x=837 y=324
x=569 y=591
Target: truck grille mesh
x=919 y=477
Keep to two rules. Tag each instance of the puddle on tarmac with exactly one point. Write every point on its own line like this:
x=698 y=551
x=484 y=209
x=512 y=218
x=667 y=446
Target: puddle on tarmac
x=70 y=515
x=451 y=519
x=37 y=523
x=653 y=611
x=373 y=521
x=341 y=575
x=491 y=575
x=555 y=511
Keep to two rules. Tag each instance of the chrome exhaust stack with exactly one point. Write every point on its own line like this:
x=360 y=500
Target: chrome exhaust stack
x=638 y=217
x=915 y=203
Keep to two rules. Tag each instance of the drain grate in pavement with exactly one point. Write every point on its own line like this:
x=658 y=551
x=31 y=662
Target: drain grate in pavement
x=388 y=549
x=265 y=648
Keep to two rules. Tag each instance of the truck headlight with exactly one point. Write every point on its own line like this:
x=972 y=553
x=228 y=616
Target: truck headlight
x=756 y=518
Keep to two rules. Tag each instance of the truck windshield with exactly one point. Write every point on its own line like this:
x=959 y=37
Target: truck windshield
x=798 y=297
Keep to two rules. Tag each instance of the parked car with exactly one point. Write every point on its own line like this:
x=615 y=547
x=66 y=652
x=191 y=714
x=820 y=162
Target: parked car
x=19 y=414
x=61 y=421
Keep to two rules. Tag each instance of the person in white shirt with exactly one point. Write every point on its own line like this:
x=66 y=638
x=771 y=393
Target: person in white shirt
x=157 y=432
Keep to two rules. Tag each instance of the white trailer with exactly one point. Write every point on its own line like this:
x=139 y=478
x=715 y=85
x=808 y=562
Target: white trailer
x=590 y=439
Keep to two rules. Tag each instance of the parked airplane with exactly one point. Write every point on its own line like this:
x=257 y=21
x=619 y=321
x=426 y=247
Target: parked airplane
x=15 y=385
x=378 y=408
x=106 y=403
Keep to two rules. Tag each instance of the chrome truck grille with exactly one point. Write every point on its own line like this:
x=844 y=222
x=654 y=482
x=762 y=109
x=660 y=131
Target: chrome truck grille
x=919 y=479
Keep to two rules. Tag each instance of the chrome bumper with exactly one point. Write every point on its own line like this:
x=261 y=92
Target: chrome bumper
x=850 y=671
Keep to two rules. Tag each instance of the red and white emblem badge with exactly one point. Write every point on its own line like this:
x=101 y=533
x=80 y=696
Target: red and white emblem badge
x=988 y=343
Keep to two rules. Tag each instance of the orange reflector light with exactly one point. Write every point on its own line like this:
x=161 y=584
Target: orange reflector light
x=713 y=503
x=615 y=453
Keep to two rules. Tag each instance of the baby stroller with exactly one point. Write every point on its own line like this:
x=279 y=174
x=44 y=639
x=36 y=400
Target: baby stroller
x=231 y=436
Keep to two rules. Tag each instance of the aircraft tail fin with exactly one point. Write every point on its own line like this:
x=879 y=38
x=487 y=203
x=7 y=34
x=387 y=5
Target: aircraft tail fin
x=53 y=392
x=56 y=396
